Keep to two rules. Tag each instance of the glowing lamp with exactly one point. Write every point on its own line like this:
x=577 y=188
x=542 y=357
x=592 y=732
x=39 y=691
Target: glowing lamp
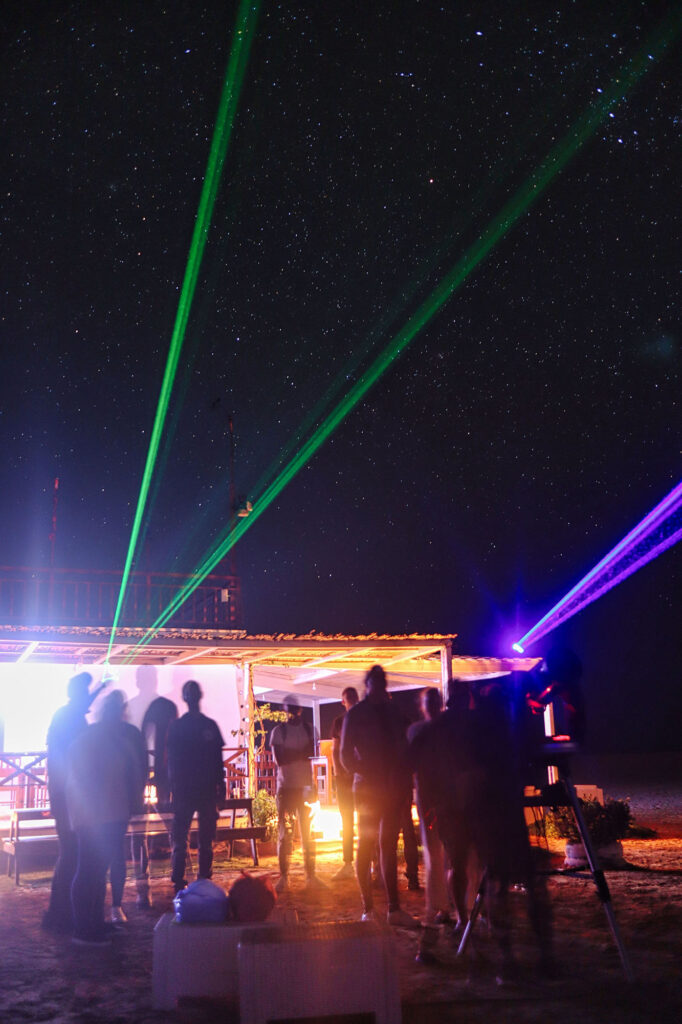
x=517 y=647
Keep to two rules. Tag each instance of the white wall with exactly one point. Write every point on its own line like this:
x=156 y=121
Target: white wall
x=30 y=695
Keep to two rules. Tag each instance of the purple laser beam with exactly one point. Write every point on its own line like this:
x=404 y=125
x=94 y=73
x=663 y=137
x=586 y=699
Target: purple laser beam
x=656 y=532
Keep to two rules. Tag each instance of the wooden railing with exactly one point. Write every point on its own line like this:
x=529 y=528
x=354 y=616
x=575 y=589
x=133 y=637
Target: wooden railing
x=23 y=777
x=236 y=771
x=23 y=780
x=75 y=597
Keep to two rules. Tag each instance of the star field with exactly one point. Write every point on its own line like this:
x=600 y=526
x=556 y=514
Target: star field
x=531 y=423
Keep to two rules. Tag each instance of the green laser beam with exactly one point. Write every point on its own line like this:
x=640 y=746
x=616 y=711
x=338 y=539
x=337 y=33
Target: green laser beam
x=503 y=169
x=234 y=77
x=518 y=205
x=221 y=233
x=507 y=165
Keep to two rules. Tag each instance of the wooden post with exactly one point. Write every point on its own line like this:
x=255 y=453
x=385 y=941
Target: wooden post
x=316 y=725
x=445 y=668
x=250 y=704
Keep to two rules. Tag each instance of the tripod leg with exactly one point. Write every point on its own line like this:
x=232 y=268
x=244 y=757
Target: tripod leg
x=598 y=875
x=473 y=916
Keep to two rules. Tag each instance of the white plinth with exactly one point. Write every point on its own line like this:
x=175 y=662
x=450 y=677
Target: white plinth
x=321 y=970
x=196 y=960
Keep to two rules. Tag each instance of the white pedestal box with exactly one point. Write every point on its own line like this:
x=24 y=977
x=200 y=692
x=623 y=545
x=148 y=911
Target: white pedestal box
x=317 y=971
x=197 y=960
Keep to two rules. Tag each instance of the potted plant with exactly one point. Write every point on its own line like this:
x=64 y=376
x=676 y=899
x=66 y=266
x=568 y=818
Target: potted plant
x=607 y=824
x=265 y=813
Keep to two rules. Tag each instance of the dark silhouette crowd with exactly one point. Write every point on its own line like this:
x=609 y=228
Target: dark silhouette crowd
x=98 y=776
x=468 y=763
x=465 y=763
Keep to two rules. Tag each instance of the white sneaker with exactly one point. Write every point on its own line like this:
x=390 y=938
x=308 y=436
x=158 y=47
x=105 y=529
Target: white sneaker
x=283 y=884
x=371 y=915
x=401 y=919
x=347 y=871
x=118 y=916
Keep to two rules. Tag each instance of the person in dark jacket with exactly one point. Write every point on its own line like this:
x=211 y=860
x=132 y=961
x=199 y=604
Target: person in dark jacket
x=156 y=723
x=102 y=786
x=131 y=736
x=437 y=897
x=66 y=725
x=197 y=779
x=344 y=786
x=374 y=749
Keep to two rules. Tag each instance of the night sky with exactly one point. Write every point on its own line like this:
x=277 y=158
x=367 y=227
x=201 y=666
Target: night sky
x=527 y=428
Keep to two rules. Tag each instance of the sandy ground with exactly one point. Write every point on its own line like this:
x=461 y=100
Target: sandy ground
x=45 y=978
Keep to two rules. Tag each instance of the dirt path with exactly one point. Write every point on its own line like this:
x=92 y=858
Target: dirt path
x=45 y=978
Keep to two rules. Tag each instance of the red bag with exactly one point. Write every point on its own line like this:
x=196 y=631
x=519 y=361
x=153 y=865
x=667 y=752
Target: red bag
x=251 y=897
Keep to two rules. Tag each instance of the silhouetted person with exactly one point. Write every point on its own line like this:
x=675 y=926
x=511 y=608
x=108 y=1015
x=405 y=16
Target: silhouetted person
x=146 y=681
x=156 y=724
x=293 y=744
x=437 y=898
x=499 y=829
x=344 y=786
x=448 y=776
x=117 y=871
x=374 y=749
x=558 y=684
x=66 y=725
x=197 y=778
x=103 y=783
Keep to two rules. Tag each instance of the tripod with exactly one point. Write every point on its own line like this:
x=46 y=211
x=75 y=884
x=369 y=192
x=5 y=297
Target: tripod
x=562 y=793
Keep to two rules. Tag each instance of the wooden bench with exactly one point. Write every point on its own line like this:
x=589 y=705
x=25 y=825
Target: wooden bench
x=34 y=828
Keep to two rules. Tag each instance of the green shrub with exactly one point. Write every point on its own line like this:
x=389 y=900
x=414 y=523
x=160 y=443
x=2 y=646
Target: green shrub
x=605 y=822
x=265 y=813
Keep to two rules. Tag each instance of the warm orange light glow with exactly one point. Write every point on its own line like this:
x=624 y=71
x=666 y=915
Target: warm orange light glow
x=325 y=822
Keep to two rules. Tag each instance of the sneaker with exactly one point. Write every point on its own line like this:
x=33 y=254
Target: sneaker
x=118 y=915
x=283 y=884
x=401 y=919
x=371 y=915
x=347 y=871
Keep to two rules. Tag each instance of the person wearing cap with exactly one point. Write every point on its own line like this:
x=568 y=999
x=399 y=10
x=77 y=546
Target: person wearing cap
x=197 y=779
x=293 y=744
x=67 y=724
